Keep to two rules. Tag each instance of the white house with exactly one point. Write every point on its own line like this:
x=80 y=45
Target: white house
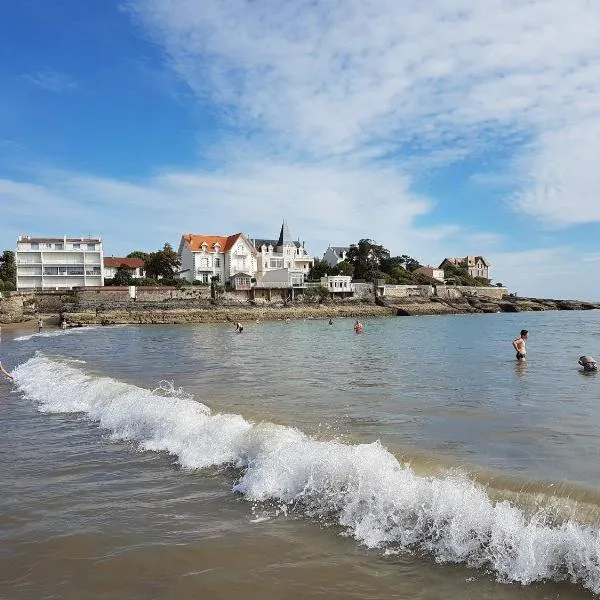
x=338 y=285
x=48 y=263
x=233 y=259
x=135 y=266
x=431 y=272
x=283 y=253
x=335 y=255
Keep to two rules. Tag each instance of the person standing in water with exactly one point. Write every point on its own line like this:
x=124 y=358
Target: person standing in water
x=519 y=345
x=40 y=325
x=358 y=326
x=5 y=373
x=238 y=327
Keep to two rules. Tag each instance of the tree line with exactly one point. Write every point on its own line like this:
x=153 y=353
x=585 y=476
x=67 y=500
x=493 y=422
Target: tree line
x=369 y=261
x=161 y=268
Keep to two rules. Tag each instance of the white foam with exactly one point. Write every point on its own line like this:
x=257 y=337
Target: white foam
x=54 y=333
x=363 y=488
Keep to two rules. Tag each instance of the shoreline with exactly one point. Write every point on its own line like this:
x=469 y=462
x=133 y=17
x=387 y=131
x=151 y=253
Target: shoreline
x=141 y=314
x=182 y=312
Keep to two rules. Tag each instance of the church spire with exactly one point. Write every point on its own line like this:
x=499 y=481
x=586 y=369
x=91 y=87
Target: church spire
x=285 y=239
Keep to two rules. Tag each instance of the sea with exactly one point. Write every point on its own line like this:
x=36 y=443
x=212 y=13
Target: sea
x=416 y=460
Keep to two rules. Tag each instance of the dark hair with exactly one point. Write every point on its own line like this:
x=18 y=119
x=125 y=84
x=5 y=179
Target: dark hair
x=524 y=332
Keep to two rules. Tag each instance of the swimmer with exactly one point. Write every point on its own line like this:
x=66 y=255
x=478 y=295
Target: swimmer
x=5 y=373
x=519 y=344
x=330 y=321
x=358 y=326
x=238 y=327
x=588 y=363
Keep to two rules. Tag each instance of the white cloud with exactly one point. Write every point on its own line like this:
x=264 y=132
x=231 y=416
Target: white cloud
x=437 y=77
x=323 y=206
x=52 y=81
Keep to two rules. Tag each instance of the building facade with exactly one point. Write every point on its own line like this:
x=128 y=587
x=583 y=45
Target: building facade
x=47 y=263
x=233 y=259
x=283 y=253
x=339 y=286
x=135 y=266
x=431 y=272
x=476 y=266
x=335 y=255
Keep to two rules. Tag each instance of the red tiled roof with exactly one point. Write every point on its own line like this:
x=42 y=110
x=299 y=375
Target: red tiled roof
x=130 y=263
x=195 y=241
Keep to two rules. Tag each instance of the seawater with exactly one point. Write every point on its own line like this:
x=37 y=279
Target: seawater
x=415 y=458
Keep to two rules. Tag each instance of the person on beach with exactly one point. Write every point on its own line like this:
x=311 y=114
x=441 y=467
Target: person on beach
x=40 y=325
x=358 y=326
x=5 y=373
x=588 y=363
x=519 y=345
x=238 y=327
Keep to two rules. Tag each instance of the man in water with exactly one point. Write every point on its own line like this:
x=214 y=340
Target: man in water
x=5 y=373
x=519 y=344
x=588 y=363
x=358 y=326
x=238 y=327
x=40 y=325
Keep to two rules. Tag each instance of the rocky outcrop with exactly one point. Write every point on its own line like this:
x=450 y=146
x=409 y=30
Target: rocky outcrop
x=11 y=309
x=138 y=314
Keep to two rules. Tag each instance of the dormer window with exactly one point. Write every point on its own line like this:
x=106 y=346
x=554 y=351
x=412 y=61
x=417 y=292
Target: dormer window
x=204 y=246
x=217 y=247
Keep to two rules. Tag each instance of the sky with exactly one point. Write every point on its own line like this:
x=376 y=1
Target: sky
x=438 y=128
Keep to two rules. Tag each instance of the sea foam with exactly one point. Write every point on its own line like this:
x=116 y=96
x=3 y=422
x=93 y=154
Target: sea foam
x=363 y=488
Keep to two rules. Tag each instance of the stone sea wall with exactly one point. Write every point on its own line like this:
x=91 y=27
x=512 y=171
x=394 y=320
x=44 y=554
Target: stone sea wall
x=194 y=305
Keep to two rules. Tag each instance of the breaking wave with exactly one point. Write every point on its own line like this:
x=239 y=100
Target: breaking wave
x=363 y=488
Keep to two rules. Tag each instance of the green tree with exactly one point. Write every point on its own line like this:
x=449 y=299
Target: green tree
x=123 y=276
x=367 y=257
x=320 y=268
x=8 y=269
x=342 y=268
x=163 y=264
x=138 y=254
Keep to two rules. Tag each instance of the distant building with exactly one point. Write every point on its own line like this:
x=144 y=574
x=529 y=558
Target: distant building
x=283 y=253
x=53 y=263
x=431 y=272
x=233 y=259
x=339 y=286
x=476 y=266
x=335 y=255
x=135 y=266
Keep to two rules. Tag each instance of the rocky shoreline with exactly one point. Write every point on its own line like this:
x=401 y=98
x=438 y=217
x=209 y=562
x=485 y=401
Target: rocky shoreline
x=154 y=313
x=193 y=311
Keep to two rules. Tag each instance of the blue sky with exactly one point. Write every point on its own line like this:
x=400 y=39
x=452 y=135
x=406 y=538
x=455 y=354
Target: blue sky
x=440 y=128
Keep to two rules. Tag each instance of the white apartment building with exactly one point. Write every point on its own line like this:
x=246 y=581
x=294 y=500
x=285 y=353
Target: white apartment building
x=45 y=263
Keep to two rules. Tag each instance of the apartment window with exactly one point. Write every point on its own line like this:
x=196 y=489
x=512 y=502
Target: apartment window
x=91 y=246
x=276 y=263
x=75 y=270
x=59 y=247
x=204 y=277
x=76 y=246
x=35 y=246
x=217 y=263
x=50 y=270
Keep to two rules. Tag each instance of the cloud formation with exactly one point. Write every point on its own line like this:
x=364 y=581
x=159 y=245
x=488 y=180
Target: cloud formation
x=448 y=77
